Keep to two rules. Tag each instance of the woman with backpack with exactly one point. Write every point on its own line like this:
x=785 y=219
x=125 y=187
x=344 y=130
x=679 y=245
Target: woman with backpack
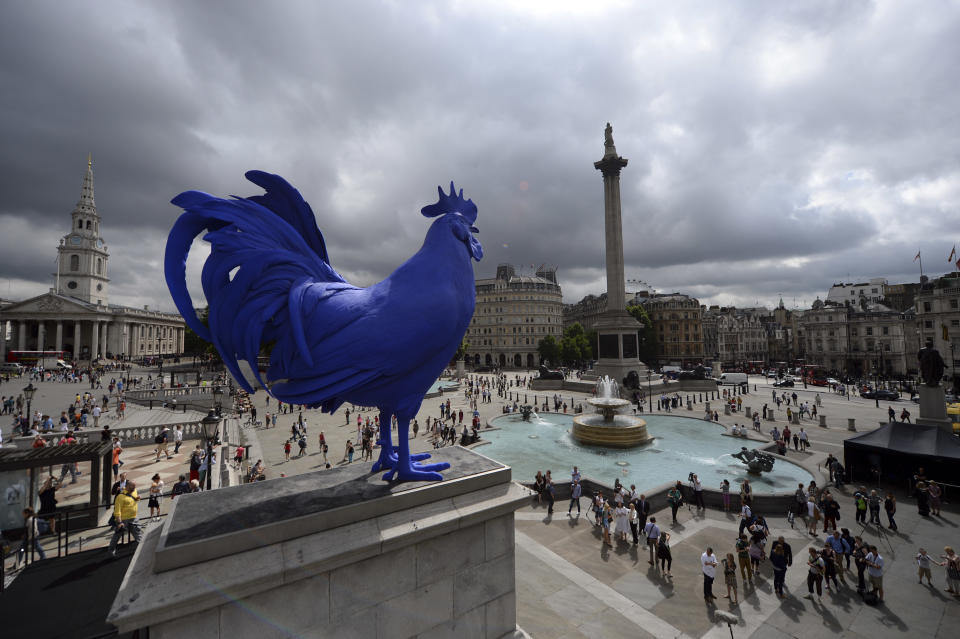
x=830 y=566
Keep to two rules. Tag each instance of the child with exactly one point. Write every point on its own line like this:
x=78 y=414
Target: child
x=923 y=566
x=725 y=491
x=730 y=576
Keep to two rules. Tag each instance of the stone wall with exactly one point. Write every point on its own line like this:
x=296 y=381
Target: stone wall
x=458 y=584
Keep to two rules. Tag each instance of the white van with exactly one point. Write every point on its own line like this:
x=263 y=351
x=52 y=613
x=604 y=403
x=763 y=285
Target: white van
x=732 y=378
x=10 y=367
x=63 y=366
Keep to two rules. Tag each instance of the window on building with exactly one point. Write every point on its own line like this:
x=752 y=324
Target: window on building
x=88 y=225
x=886 y=330
x=928 y=324
x=954 y=322
x=869 y=330
x=954 y=303
x=926 y=307
x=74 y=262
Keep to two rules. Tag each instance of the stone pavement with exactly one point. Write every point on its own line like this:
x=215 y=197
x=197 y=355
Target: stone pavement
x=568 y=585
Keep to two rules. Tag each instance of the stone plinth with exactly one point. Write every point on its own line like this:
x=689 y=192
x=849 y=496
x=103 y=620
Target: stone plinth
x=355 y=557
x=933 y=408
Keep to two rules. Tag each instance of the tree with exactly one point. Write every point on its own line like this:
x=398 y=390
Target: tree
x=575 y=347
x=461 y=350
x=549 y=350
x=569 y=351
x=193 y=344
x=649 y=345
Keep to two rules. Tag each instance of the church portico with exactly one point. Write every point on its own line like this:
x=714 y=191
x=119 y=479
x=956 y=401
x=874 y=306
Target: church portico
x=75 y=316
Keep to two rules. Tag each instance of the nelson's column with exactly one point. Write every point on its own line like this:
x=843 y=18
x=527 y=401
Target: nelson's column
x=618 y=347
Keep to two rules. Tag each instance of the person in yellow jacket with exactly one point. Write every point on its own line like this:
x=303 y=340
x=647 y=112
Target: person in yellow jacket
x=125 y=515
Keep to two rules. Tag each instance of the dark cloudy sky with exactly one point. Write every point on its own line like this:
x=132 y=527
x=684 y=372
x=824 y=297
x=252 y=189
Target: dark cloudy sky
x=774 y=148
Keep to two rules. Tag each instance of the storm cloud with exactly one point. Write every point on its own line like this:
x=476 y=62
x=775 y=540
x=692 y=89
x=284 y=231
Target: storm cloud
x=775 y=148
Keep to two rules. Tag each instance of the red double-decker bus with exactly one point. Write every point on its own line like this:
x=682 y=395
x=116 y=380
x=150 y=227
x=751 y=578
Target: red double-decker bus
x=32 y=358
x=815 y=375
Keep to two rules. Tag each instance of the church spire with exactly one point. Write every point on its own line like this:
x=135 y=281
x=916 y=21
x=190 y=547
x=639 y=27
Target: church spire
x=87 y=205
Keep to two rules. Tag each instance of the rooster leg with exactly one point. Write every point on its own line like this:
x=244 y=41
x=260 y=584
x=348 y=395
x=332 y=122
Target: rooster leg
x=388 y=455
x=405 y=469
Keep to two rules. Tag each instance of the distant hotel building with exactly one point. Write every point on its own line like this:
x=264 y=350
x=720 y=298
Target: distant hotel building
x=513 y=313
x=676 y=318
x=75 y=316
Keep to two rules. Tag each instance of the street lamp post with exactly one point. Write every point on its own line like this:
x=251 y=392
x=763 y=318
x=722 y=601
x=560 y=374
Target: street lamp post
x=208 y=424
x=28 y=395
x=649 y=393
x=217 y=399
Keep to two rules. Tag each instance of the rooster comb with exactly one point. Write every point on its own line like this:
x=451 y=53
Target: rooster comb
x=452 y=203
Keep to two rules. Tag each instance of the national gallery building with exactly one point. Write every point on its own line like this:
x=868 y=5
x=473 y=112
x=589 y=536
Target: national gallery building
x=75 y=316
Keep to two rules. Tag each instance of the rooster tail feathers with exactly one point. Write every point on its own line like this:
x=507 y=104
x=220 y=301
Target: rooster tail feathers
x=285 y=201
x=265 y=251
x=452 y=203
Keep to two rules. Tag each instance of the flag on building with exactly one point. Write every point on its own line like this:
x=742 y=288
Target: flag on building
x=917 y=257
x=953 y=253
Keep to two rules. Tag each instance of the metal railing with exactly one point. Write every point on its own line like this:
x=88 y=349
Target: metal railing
x=26 y=551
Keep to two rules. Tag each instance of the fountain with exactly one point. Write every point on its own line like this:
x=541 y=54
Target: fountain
x=607 y=427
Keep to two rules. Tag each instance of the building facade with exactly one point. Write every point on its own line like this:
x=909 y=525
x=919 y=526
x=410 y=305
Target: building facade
x=938 y=317
x=866 y=339
x=512 y=314
x=735 y=337
x=75 y=316
x=677 y=321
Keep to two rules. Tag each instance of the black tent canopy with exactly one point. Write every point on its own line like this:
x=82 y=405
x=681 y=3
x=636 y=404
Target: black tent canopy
x=896 y=450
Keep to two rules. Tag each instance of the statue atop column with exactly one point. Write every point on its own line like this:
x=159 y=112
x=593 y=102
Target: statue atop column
x=931 y=364
x=608 y=136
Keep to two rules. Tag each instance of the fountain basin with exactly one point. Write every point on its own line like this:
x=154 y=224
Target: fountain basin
x=619 y=432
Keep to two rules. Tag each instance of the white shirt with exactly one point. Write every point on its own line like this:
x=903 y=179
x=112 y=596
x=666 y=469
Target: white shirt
x=96 y=411
x=178 y=435
x=708 y=561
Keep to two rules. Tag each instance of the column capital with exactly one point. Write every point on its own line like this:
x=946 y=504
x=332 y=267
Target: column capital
x=610 y=165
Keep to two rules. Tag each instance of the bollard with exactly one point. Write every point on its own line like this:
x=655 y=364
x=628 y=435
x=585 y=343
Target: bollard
x=748 y=412
x=851 y=424
x=823 y=421
x=726 y=409
x=796 y=419
x=707 y=408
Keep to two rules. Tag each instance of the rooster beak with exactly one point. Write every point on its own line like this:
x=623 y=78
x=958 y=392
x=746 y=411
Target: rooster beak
x=474 y=229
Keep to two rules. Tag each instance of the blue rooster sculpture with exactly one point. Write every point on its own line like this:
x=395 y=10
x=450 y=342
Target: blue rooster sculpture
x=269 y=283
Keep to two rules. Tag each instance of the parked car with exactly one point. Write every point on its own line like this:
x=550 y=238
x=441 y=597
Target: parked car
x=784 y=383
x=11 y=367
x=883 y=393
x=833 y=381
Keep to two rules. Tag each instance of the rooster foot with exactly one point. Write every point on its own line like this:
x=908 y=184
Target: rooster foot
x=417 y=472
x=389 y=460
